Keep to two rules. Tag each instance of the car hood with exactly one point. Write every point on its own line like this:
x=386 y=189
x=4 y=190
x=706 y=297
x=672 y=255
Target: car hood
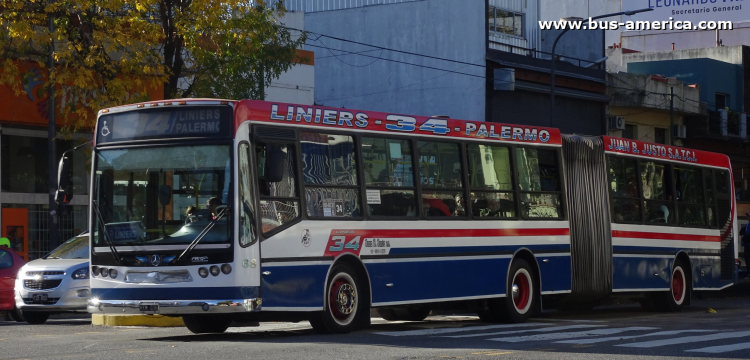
x=55 y=264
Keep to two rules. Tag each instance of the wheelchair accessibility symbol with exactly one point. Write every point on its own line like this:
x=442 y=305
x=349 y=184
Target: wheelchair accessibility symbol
x=105 y=129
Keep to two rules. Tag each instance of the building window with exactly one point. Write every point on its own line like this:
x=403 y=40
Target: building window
x=506 y=22
x=721 y=101
x=660 y=135
x=630 y=132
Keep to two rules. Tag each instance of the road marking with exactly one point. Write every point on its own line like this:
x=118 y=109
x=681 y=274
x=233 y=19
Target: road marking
x=545 y=337
x=722 y=348
x=660 y=333
x=548 y=329
x=455 y=330
x=688 y=339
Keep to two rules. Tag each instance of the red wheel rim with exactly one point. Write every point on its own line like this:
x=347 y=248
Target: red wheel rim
x=678 y=285
x=342 y=299
x=521 y=291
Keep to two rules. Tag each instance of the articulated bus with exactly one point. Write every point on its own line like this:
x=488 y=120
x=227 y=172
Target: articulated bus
x=225 y=212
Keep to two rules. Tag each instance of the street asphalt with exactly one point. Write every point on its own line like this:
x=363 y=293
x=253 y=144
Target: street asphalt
x=717 y=325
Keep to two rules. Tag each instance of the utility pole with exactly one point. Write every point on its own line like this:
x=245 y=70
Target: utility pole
x=51 y=147
x=671 y=115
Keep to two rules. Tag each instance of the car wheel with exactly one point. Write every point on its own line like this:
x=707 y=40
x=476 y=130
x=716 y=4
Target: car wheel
x=16 y=315
x=202 y=324
x=35 y=317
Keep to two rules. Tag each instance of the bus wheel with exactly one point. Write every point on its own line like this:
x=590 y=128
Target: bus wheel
x=35 y=317
x=202 y=324
x=679 y=290
x=520 y=299
x=342 y=303
x=410 y=313
x=520 y=296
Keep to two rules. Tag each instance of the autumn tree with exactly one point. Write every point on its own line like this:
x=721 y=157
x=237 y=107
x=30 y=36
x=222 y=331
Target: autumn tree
x=111 y=52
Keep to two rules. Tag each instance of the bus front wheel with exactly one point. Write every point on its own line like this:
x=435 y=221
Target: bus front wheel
x=520 y=299
x=344 y=304
x=203 y=324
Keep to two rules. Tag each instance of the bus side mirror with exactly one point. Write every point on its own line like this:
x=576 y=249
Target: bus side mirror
x=165 y=195
x=63 y=195
x=275 y=162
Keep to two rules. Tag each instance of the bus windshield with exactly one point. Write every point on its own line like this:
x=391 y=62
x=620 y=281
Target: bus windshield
x=162 y=195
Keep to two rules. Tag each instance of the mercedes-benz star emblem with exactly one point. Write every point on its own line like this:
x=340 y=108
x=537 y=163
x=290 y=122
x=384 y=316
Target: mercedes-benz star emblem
x=155 y=260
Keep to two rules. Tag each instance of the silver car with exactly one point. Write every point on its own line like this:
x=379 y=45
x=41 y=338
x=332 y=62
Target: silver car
x=58 y=282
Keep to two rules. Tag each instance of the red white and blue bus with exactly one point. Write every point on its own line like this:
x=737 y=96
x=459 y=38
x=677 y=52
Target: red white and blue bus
x=222 y=211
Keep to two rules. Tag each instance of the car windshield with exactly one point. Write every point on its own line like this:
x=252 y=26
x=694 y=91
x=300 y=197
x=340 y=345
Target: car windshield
x=75 y=248
x=160 y=195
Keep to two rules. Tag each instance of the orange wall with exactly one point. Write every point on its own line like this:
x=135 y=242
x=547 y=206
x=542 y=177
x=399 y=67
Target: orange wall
x=31 y=108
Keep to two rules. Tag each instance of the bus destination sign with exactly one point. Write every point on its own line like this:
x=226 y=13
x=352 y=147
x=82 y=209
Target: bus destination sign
x=394 y=123
x=663 y=152
x=189 y=121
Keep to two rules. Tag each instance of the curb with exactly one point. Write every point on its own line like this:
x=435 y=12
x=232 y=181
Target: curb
x=136 y=320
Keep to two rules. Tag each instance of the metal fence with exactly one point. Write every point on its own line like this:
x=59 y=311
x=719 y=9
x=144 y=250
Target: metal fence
x=69 y=225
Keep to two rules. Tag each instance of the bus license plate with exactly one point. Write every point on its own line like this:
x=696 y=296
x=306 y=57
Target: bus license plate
x=146 y=307
x=39 y=298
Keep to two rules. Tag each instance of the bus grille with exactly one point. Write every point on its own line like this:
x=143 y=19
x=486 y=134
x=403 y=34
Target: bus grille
x=41 y=284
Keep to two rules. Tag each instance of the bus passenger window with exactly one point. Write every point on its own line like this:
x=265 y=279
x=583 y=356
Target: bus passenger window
x=539 y=182
x=329 y=172
x=690 y=206
x=623 y=187
x=656 y=188
x=441 y=178
x=389 y=177
x=491 y=182
x=279 y=202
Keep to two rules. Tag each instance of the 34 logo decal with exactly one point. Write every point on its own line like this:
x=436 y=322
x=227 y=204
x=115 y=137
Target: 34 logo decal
x=344 y=241
x=354 y=241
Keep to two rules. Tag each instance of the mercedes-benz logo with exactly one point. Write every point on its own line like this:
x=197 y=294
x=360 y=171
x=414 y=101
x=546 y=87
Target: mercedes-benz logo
x=155 y=260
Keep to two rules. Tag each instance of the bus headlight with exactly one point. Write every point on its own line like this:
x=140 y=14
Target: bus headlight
x=104 y=272
x=113 y=273
x=95 y=270
x=203 y=272
x=215 y=270
x=226 y=269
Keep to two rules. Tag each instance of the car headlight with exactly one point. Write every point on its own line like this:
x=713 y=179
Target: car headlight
x=82 y=273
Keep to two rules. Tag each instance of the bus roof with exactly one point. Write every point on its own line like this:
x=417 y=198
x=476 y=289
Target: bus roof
x=389 y=123
x=664 y=152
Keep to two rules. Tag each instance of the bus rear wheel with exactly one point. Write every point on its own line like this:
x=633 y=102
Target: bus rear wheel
x=203 y=324
x=344 y=304
x=679 y=290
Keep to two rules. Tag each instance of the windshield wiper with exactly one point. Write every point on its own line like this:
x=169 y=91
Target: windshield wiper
x=104 y=233
x=201 y=235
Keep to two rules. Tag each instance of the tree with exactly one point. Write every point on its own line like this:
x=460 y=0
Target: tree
x=112 y=52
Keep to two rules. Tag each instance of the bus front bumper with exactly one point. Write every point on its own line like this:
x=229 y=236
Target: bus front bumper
x=172 y=307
